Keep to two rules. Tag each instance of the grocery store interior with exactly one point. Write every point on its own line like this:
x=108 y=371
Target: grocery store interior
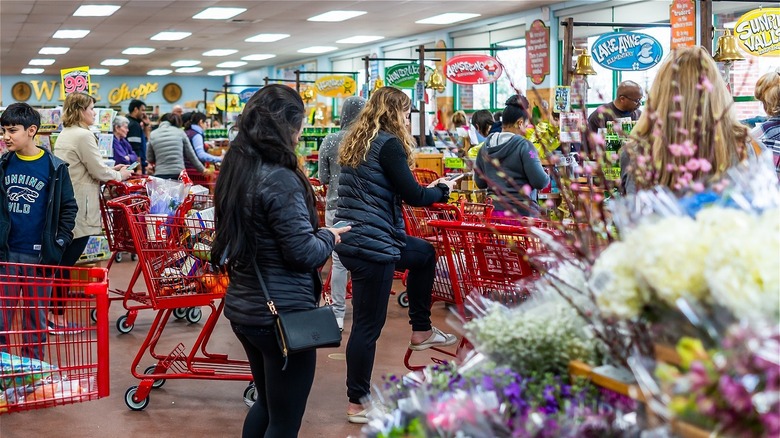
x=568 y=60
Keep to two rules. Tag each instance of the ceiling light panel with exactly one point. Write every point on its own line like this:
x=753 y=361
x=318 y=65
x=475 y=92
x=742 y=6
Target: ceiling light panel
x=95 y=10
x=185 y=63
x=220 y=72
x=170 y=36
x=189 y=69
x=114 y=62
x=448 y=18
x=32 y=71
x=334 y=16
x=98 y=71
x=258 y=57
x=318 y=49
x=218 y=13
x=70 y=34
x=41 y=61
x=220 y=52
x=231 y=64
x=137 y=51
x=53 y=50
x=159 y=72
x=360 y=39
x=267 y=37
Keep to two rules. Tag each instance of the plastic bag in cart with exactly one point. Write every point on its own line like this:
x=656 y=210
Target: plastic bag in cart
x=165 y=196
x=20 y=371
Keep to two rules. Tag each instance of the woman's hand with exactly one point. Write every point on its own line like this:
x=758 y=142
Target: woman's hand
x=337 y=232
x=445 y=181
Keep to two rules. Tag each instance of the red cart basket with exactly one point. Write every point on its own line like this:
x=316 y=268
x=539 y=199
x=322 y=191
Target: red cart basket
x=174 y=253
x=38 y=369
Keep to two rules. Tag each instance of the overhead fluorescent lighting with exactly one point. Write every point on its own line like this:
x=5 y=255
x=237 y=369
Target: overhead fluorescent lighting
x=360 y=39
x=267 y=37
x=218 y=13
x=41 y=61
x=448 y=18
x=170 y=36
x=185 y=63
x=32 y=71
x=258 y=57
x=53 y=50
x=220 y=73
x=336 y=16
x=520 y=42
x=72 y=33
x=98 y=71
x=220 y=52
x=114 y=62
x=189 y=69
x=318 y=49
x=137 y=51
x=231 y=64
x=730 y=25
x=95 y=10
x=159 y=72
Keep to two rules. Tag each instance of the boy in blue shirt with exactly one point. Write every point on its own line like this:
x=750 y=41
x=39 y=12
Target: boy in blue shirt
x=37 y=216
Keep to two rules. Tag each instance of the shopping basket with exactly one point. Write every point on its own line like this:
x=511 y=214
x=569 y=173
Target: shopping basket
x=39 y=369
x=424 y=176
x=174 y=253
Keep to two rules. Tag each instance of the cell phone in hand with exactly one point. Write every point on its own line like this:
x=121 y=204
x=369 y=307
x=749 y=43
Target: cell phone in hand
x=456 y=177
x=133 y=166
x=342 y=224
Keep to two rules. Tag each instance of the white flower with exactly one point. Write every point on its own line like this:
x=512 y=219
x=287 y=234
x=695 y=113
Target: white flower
x=613 y=281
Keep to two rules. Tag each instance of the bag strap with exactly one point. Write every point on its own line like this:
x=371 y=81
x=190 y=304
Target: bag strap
x=268 y=300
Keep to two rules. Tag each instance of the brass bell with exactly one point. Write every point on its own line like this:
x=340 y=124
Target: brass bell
x=378 y=83
x=435 y=82
x=727 y=48
x=584 y=65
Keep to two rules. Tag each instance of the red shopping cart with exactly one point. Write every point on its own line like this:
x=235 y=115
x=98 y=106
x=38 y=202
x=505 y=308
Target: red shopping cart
x=425 y=176
x=40 y=370
x=174 y=253
x=116 y=229
x=208 y=181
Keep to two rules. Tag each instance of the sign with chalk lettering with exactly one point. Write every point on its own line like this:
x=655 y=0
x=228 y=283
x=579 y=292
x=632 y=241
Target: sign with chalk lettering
x=627 y=51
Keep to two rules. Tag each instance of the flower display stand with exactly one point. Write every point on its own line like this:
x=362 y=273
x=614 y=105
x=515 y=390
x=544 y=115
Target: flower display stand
x=620 y=386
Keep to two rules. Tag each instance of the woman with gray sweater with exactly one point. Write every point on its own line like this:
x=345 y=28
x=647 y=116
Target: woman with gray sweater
x=168 y=145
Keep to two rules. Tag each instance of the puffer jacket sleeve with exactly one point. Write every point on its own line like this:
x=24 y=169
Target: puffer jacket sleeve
x=284 y=205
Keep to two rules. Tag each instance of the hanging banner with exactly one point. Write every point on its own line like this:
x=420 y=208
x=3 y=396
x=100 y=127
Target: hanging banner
x=245 y=94
x=75 y=80
x=758 y=32
x=335 y=86
x=537 y=52
x=562 y=99
x=405 y=75
x=682 y=18
x=473 y=69
x=234 y=104
x=627 y=51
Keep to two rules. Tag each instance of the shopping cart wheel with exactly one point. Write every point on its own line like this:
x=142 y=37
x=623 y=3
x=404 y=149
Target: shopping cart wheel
x=180 y=312
x=194 y=314
x=133 y=257
x=130 y=401
x=158 y=383
x=403 y=299
x=121 y=325
x=250 y=395
x=118 y=257
x=93 y=315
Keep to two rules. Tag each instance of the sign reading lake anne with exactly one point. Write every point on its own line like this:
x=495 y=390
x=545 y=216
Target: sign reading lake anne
x=404 y=75
x=682 y=18
x=758 y=32
x=473 y=69
x=335 y=86
x=537 y=52
x=627 y=51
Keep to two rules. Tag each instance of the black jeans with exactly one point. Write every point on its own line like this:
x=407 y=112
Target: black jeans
x=69 y=258
x=371 y=284
x=281 y=395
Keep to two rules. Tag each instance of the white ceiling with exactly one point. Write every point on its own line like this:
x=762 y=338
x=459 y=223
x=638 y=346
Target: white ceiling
x=28 y=25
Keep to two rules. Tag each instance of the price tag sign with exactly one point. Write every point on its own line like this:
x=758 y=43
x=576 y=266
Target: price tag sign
x=419 y=91
x=75 y=80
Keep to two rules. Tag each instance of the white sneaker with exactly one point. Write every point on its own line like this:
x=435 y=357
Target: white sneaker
x=437 y=339
x=340 y=322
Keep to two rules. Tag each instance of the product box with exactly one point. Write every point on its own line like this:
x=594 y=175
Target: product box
x=97 y=250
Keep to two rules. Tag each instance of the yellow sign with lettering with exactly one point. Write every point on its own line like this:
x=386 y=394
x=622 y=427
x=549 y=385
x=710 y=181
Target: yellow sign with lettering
x=124 y=92
x=335 y=86
x=758 y=32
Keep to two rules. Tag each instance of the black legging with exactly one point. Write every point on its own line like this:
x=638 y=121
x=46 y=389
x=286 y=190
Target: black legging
x=69 y=258
x=371 y=284
x=281 y=395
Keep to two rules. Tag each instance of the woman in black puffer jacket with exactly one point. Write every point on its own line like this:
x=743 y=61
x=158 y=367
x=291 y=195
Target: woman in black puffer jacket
x=265 y=215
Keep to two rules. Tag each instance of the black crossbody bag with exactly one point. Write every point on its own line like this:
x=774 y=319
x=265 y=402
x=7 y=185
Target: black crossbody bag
x=302 y=330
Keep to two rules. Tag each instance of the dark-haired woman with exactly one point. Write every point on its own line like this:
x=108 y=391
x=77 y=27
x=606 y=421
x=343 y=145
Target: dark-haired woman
x=266 y=218
x=518 y=164
x=168 y=147
x=195 y=130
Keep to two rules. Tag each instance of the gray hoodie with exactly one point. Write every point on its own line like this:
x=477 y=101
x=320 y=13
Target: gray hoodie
x=329 y=168
x=520 y=162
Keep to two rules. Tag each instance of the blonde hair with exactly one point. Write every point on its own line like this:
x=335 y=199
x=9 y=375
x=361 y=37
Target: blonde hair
x=459 y=119
x=688 y=104
x=74 y=104
x=768 y=92
x=385 y=111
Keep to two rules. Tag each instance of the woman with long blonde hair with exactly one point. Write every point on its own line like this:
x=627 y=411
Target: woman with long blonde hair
x=375 y=159
x=689 y=133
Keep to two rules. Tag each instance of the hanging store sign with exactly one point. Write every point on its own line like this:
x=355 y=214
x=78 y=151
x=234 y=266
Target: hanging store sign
x=627 y=51
x=245 y=94
x=537 y=52
x=405 y=75
x=234 y=104
x=75 y=80
x=335 y=86
x=682 y=18
x=473 y=69
x=758 y=32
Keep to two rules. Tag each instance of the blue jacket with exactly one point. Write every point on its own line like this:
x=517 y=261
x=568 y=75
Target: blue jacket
x=60 y=212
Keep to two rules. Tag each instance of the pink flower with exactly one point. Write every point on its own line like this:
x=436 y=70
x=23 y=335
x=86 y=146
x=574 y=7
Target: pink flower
x=698 y=187
x=683 y=131
x=704 y=165
x=597 y=138
x=588 y=169
x=550 y=203
x=705 y=82
x=677 y=98
x=693 y=165
x=554 y=159
x=676 y=149
x=670 y=167
x=527 y=190
x=575 y=186
x=598 y=198
x=676 y=114
x=641 y=160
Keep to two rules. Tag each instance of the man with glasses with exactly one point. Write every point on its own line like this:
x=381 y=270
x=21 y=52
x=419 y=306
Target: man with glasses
x=627 y=103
